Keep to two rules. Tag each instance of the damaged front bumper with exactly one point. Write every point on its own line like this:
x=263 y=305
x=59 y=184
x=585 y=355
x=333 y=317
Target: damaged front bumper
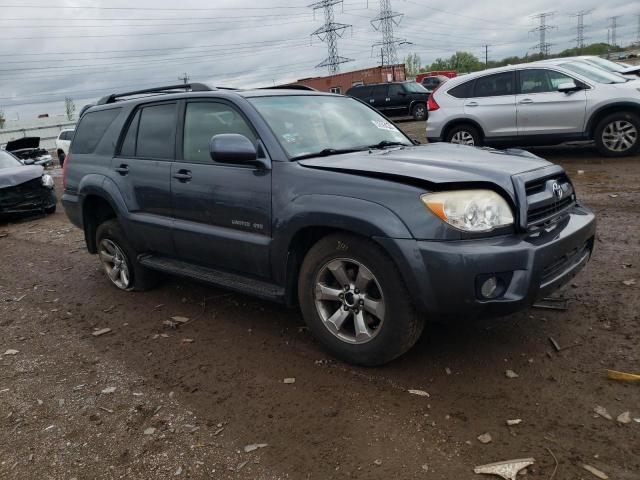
x=28 y=197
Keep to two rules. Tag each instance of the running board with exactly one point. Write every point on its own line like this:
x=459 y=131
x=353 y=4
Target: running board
x=230 y=281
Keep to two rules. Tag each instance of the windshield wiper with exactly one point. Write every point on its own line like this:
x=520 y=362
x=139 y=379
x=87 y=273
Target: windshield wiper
x=326 y=153
x=387 y=143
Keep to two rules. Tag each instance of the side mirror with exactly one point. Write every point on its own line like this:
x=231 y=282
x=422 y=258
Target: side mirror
x=233 y=148
x=568 y=87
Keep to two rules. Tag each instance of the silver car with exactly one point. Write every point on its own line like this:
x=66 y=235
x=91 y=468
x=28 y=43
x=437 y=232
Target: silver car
x=539 y=103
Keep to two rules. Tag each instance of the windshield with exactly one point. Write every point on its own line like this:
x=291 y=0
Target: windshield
x=606 y=64
x=7 y=160
x=310 y=124
x=593 y=73
x=414 y=87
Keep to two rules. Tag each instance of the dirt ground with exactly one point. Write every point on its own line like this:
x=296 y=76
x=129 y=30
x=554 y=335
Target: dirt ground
x=150 y=401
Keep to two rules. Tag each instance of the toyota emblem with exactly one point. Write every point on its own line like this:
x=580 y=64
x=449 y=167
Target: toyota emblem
x=557 y=190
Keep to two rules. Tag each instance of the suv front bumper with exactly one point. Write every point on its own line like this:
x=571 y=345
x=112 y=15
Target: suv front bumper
x=443 y=276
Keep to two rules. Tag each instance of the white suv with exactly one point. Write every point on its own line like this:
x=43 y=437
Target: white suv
x=538 y=103
x=62 y=144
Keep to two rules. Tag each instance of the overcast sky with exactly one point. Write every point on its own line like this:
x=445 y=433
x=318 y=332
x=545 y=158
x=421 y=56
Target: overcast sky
x=85 y=49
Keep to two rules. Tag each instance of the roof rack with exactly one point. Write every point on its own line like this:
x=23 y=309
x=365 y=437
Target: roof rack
x=189 y=87
x=292 y=86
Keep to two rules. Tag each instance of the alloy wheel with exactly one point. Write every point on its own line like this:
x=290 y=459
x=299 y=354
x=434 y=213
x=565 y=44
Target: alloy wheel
x=420 y=112
x=619 y=136
x=115 y=263
x=349 y=301
x=463 y=138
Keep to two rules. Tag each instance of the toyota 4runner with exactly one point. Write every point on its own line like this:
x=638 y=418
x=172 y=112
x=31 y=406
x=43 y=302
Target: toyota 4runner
x=317 y=200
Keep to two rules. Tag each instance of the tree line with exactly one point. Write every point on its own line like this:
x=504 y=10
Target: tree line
x=466 y=62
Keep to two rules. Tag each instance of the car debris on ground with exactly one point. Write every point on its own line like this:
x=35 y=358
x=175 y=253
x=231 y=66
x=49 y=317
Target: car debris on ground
x=597 y=473
x=507 y=469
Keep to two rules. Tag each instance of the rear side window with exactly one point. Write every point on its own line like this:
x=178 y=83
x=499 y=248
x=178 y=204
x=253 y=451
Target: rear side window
x=156 y=132
x=494 y=85
x=462 y=91
x=379 y=91
x=359 y=92
x=129 y=145
x=66 y=135
x=92 y=128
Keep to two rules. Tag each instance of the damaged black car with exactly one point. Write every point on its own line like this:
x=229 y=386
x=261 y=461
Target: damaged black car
x=24 y=189
x=28 y=150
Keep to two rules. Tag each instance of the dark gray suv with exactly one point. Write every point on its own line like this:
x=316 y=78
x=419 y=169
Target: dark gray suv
x=317 y=200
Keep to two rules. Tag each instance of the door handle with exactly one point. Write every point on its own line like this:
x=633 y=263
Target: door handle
x=371 y=101
x=472 y=104
x=182 y=175
x=122 y=169
x=525 y=100
x=387 y=99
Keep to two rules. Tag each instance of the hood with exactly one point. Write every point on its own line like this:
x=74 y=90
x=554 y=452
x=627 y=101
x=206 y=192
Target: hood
x=10 y=177
x=630 y=70
x=436 y=163
x=21 y=143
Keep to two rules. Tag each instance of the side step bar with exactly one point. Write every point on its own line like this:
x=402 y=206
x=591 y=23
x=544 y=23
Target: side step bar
x=230 y=281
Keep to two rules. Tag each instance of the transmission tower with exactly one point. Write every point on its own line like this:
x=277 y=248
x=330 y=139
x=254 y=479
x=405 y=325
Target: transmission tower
x=329 y=33
x=543 y=46
x=580 y=28
x=184 y=78
x=613 y=25
x=384 y=22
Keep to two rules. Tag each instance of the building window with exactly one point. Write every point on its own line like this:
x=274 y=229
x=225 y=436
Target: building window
x=357 y=83
x=335 y=90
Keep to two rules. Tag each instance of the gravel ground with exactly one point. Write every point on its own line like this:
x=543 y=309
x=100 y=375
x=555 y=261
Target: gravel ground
x=156 y=398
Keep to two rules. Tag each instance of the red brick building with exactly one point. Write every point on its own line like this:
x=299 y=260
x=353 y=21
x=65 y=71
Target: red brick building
x=342 y=82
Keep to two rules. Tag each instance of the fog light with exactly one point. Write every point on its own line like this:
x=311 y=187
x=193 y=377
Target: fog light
x=489 y=287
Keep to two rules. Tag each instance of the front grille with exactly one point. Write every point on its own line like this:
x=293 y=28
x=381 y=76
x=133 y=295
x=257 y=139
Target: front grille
x=543 y=202
x=25 y=195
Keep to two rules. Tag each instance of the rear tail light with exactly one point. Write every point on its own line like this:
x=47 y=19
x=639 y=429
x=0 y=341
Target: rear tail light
x=432 y=105
x=65 y=164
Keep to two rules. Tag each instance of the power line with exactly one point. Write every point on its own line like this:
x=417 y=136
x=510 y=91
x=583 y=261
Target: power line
x=580 y=28
x=543 y=46
x=613 y=25
x=329 y=33
x=384 y=23
x=91 y=7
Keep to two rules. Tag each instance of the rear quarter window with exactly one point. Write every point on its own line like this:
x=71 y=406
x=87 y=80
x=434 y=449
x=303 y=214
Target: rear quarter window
x=462 y=91
x=91 y=129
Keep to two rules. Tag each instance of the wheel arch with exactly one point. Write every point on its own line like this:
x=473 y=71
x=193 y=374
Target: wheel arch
x=458 y=122
x=602 y=112
x=318 y=216
x=96 y=209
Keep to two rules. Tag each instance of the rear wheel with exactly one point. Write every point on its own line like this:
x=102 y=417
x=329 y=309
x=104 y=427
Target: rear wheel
x=118 y=259
x=419 y=112
x=355 y=302
x=61 y=157
x=464 y=135
x=618 y=134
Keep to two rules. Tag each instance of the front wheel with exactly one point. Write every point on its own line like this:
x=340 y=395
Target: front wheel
x=464 y=135
x=616 y=135
x=355 y=302
x=419 y=112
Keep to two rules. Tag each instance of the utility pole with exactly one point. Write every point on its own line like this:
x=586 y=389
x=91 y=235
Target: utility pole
x=613 y=25
x=486 y=54
x=384 y=23
x=543 y=46
x=184 y=78
x=638 y=32
x=329 y=33
x=580 y=28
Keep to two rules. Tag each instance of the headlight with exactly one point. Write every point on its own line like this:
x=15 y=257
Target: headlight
x=470 y=210
x=47 y=181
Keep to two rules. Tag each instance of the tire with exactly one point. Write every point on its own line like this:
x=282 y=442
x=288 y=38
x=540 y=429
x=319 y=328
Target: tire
x=618 y=134
x=464 y=135
x=419 y=112
x=61 y=157
x=384 y=336
x=112 y=242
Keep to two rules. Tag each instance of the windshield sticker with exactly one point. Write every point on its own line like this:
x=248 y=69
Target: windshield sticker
x=382 y=125
x=290 y=137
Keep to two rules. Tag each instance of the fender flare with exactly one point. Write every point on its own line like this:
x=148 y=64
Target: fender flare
x=591 y=123
x=361 y=217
